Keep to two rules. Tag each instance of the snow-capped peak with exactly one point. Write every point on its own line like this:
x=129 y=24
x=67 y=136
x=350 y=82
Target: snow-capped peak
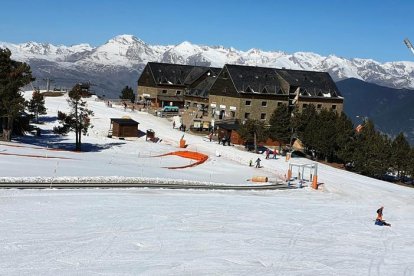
x=128 y=51
x=126 y=39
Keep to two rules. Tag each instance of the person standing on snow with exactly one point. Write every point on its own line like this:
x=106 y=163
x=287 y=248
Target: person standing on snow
x=258 y=162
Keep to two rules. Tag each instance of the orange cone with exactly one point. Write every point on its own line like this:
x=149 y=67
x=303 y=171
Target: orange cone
x=315 y=182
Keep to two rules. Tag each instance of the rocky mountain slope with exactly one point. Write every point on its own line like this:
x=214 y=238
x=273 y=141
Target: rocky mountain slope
x=119 y=62
x=391 y=109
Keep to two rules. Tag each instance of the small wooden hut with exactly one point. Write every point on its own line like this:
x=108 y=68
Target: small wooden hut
x=123 y=127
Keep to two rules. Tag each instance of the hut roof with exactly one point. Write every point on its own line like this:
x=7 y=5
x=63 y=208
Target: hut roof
x=124 y=122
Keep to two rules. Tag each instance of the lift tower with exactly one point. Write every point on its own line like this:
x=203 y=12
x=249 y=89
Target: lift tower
x=409 y=45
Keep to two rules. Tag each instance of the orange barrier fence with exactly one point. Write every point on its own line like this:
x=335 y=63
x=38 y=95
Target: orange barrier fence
x=199 y=157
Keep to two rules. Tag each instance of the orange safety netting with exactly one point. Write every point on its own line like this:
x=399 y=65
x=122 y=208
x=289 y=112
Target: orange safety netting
x=199 y=157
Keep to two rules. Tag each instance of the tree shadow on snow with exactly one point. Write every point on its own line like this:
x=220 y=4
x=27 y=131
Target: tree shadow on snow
x=47 y=119
x=49 y=139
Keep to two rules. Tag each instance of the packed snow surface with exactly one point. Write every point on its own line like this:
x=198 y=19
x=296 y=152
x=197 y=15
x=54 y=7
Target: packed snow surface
x=329 y=231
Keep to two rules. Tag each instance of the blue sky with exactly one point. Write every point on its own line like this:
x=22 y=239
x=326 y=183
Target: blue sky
x=348 y=28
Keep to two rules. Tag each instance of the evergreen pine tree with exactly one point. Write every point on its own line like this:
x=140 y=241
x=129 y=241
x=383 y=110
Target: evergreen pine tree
x=78 y=119
x=13 y=76
x=324 y=129
x=306 y=125
x=37 y=105
x=253 y=130
x=345 y=135
x=400 y=156
x=372 y=152
x=127 y=94
x=410 y=169
x=280 y=126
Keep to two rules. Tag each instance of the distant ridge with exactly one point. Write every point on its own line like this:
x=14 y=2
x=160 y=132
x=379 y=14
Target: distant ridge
x=391 y=109
x=120 y=60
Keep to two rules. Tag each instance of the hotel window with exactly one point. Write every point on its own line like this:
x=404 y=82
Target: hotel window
x=233 y=114
x=279 y=103
x=246 y=115
x=263 y=116
x=264 y=103
x=248 y=103
x=319 y=106
x=164 y=91
x=178 y=92
x=334 y=107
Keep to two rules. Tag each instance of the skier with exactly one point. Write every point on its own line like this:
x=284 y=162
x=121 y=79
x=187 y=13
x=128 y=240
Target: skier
x=379 y=221
x=251 y=163
x=258 y=162
x=173 y=124
x=267 y=153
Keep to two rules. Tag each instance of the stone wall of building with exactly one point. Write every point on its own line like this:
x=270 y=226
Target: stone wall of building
x=329 y=104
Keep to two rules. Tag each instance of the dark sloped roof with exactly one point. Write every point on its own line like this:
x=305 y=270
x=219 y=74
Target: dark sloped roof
x=250 y=79
x=263 y=80
x=198 y=71
x=203 y=88
x=311 y=83
x=178 y=74
x=124 y=122
x=169 y=74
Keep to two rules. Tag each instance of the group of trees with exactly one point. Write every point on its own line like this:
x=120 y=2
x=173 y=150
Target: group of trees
x=13 y=76
x=128 y=94
x=333 y=138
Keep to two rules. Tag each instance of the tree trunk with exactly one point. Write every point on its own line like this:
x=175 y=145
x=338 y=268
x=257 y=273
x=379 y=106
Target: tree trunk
x=7 y=128
x=255 y=142
x=76 y=126
x=80 y=140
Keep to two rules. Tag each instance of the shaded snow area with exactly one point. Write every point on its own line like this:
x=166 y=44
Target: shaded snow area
x=329 y=231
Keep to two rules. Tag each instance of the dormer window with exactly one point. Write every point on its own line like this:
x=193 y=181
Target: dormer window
x=249 y=90
x=264 y=90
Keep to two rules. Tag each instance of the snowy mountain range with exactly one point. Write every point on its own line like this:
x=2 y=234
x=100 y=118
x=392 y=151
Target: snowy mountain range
x=119 y=61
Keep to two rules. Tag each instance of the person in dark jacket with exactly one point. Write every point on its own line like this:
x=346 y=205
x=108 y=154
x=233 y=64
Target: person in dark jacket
x=258 y=162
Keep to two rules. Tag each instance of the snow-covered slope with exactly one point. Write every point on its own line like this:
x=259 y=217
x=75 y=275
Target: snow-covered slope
x=126 y=52
x=329 y=231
